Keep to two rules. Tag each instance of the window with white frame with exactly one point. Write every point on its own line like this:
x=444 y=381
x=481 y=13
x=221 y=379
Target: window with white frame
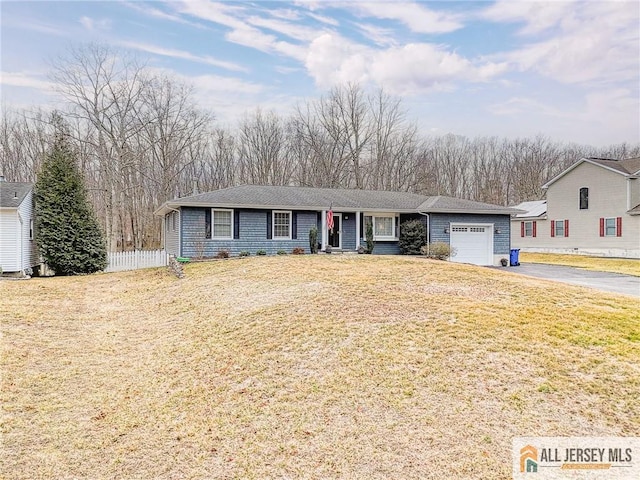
x=528 y=229
x=282 y=225
x=385 y=227
x=221 y=223
x=610 y=227
x=31 y=229
x=559 y=228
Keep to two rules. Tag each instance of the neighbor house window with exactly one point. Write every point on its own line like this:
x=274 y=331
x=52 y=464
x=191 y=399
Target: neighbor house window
x=559 y=228
x=584 y=198
x=174 y=220
x=528 y=229
x=611 y=227
x=282 y=225
x=31 y=229
x=385 y=227
x=221 y=223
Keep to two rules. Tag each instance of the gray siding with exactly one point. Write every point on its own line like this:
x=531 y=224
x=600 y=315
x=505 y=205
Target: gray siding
x=501 y=241
x=170 y=234
x=349 y=231
x=252 y=234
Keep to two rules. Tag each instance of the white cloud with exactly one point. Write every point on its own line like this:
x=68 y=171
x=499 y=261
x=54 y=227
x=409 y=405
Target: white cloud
x=26 y=80
x=409 y=69
x=414 y=15
x=585 y=42
x=92 y=24
x=173 y=53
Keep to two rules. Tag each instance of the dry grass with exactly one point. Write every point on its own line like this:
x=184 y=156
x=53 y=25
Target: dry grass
x=628 y=266
x=307 y=367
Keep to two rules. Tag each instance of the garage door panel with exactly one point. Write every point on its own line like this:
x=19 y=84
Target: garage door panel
x=473 y=244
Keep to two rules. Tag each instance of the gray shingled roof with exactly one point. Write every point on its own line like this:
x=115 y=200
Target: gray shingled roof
x=307 y=198
x=12 y=193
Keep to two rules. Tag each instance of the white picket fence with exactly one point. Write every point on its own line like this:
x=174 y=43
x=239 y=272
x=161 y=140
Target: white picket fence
x=120 y=261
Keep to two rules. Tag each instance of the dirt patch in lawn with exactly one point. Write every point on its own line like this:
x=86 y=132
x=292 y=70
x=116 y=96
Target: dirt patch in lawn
x=627 y=266
x=321 y=366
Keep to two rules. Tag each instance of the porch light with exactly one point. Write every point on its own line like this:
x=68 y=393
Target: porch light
x=446 y=229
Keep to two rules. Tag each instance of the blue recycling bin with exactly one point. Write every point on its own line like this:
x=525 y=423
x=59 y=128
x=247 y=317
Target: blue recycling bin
x=513 y=258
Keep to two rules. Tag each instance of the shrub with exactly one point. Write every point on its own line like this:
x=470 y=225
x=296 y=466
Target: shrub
x=369 y=237
x=281 y=252
x=261 y=252
x=223 y=254
x=244 y=253
x=297 y=251
x=413 y=235
x=438 y=250
x=68 y=234
x=313 y=240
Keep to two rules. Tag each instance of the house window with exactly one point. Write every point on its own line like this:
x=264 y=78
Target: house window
x=559 y=228
x=528 y=229
x=584 y=198
x=385 y=227
x=611 y=227
x=174 y=220
x=221 y=223
x=31 y=229
x=282 y=225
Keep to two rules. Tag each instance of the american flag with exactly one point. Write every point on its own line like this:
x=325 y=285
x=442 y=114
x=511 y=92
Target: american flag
x=330 y=220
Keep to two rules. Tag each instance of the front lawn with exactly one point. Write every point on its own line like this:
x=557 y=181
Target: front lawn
x=628 y=266
x=324 y=366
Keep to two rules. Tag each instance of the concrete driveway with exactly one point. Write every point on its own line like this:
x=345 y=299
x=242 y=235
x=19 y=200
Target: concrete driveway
x=609 y=282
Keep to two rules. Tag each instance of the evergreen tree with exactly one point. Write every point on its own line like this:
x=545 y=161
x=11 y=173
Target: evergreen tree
x=413 y=236
x=67 y=231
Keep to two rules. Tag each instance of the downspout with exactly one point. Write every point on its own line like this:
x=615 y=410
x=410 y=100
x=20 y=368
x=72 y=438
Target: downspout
x=427 y=215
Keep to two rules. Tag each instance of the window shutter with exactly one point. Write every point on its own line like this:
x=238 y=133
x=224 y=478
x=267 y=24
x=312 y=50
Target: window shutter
x=522 y=229
x=535 y=228
x=618 y=226
x=566 y=228
x=602 y=227
x=207 y=223
x=269 y=234
x=236 y=224
x=294 y=225
x=553 y=228
x=362 y=225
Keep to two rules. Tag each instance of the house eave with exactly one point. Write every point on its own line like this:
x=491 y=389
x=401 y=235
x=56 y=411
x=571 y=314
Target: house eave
x=577 y=164
x=506 y=211
x=169 y=206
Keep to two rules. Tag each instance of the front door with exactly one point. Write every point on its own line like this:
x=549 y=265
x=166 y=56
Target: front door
x=335 y=238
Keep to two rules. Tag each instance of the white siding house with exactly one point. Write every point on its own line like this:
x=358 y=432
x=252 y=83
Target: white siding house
x=17 y=243
x=592 y=208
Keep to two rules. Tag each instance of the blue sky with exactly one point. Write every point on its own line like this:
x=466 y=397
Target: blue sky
x=567 y=70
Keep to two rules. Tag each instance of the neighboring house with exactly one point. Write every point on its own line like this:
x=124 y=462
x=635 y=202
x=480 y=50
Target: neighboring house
x=251 y=218
x=529 y=226
x=17 y=243
x=593 y=207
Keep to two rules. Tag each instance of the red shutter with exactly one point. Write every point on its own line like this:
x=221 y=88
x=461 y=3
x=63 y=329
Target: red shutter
x=602 y=227
x=618 y=226
x=522 y=229
x=566 y=228
x=534 y=228
x=553 y=228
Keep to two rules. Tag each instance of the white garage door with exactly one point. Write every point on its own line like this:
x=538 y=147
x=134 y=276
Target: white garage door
x=473 y=243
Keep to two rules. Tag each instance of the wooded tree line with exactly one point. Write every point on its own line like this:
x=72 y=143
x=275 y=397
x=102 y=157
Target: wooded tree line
x=142 y=139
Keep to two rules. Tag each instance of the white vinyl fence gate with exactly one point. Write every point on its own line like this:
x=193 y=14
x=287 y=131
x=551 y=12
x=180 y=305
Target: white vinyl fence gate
x=120 y=261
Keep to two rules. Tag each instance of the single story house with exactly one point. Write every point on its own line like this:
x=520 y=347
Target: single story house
x=593 y=207
x=272 y=218
x=17 y=245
